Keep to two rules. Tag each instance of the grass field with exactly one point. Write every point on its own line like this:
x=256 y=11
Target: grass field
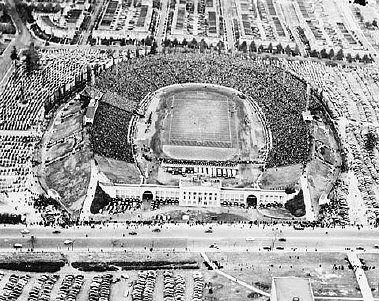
x=69 y=172
x=372 y=274
x=281 y=177
x=118 y=171
x=200 y=119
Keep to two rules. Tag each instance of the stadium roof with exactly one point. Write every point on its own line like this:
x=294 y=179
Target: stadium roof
x=291 y=289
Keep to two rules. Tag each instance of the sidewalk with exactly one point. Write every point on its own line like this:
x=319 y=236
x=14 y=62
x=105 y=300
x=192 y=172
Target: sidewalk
x=234 y=279
x=361 y=276
x=85 y=213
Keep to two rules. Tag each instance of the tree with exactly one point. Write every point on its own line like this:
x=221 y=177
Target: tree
x=203 y=45
x=313 y=53
x=166 y=42
x=175 y=43
x=339 y=56
x=14 y=55
x=243 y=47
x=323 y=53
x=331 y=54
x=296 y=52
x=349 y=58
x=269 y=48
x=375 y=23
x=148 y=41
x=365 y=59
x=193 y=43
x=260 y=48
x=184 y=42
x=31 y=59
x=220 y=46
x=279 y=48
x=137 y=52
x=253 y=47
x=296 y=205
x=370 y=141
x=153 y=49
x=357 y=58
x=287 y=50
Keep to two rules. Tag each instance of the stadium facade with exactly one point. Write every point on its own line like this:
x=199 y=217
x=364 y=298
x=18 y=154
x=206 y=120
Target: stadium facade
x=205 y=193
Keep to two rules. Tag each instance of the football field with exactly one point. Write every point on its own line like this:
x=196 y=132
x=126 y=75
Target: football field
x=201 y=119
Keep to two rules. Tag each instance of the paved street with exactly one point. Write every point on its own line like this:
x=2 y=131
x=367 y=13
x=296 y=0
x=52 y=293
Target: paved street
x=23 y=39
x=227 y=238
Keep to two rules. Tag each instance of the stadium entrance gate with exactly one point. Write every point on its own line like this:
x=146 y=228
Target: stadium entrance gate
x=251 y=201
x=147 y=196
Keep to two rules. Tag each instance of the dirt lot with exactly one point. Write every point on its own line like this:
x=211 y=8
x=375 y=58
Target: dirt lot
x=259 y=268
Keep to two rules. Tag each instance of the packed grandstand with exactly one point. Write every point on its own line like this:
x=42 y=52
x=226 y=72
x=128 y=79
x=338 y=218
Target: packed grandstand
x=281 y=96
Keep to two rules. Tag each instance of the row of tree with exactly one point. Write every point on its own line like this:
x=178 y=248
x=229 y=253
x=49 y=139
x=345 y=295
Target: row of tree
x=340 y=56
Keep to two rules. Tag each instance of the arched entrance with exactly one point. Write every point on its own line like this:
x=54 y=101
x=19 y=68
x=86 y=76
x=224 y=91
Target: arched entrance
x=252 y=201
x=147 y=196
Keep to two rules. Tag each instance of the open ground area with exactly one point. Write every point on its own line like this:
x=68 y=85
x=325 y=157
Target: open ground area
x=259 y=268
x=66 y=157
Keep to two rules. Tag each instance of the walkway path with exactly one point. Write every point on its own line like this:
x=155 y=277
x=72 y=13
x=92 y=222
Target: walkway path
x=310 y=213
x=85 y=213
x=361 y=276
x=232 y=278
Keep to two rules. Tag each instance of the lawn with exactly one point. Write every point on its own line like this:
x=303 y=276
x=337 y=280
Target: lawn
x=118 y=171
x=281 y=177
x=372 y=274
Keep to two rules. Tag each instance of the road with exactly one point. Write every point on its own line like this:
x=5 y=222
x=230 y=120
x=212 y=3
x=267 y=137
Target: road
x=161 y=31
x=23 y=38
x=98 y=8
x=228 y=18
x=227 y=238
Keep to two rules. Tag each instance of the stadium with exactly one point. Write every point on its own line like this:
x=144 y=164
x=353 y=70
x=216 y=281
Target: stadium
x=200 y=130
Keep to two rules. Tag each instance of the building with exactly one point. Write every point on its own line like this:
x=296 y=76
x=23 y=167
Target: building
x=193 y=192
x=291 y=289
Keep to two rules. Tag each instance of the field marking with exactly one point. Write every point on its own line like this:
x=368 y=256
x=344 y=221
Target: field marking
x=171 y=115
x=230 y=133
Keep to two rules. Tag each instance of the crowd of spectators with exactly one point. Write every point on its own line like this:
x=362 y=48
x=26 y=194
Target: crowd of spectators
x=109 y=134
x=282 y=98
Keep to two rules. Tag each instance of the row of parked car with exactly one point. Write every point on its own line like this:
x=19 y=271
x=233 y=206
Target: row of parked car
x=143 y=289
x=100 y=288
x=174 y=287
x=13 y=288
x=42 y=288
x=157 y=203
x=121 y=205
x=198 y=287
x=70 y=287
